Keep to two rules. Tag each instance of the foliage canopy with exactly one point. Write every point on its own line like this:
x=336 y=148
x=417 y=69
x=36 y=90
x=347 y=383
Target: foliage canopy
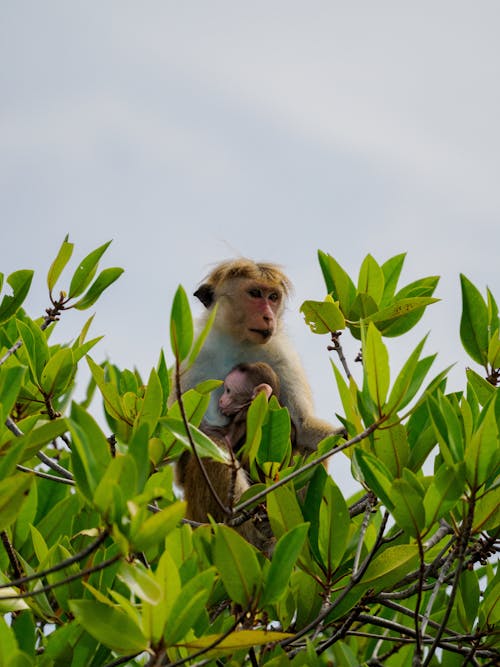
x=98 y=566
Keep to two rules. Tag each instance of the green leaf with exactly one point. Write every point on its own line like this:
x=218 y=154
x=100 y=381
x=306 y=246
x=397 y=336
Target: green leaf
x=338 y=283
x=407 y=507
x=482 y=455
x=474 y=322
x=36 y=347
x=446 y=428
x=86 y=271
x=390 y=566
x=481 y=387
x=205 y=447
x=401 y=315
x=57 y=266
x=181 y=325
x=20 y=449
x=444 y=491
x=494 y=350
x=468 y=599
x=237 y=563
x=90 y=453
x=285 y=555
x=202 y=336
x=323 y=316
x=348 y=396
x=189 y=606
x=392 y=449
x=493 y=318
x=109 y=625
x=154 y=530
x=109 y=392
x=255 y=418
x=240 y=639
x=163 y=375
x=392 y=270
x=116 y=487
x=140 y=581
x=20 y=281
x=106 y=278
x=362 y=310
x=58 y=372
x=376 y=366
x=334 y=523
x=152 y=404
x=283 y=510
x=11 y=379
x=275 y=444
x=487 y=511
x=13 y=493
x=406 y=379
x=377 y=476
x=371 y=279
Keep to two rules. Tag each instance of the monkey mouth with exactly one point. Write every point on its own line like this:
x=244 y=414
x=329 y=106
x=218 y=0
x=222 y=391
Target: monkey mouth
x=265 y=333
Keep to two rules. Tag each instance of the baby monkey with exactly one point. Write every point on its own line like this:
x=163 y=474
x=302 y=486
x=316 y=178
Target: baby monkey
x=241 y=386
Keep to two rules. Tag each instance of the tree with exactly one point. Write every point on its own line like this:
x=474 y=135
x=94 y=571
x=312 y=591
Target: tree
x=99 y=568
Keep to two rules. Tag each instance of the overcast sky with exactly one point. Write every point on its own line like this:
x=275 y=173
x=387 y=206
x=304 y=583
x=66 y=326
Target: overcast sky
x=190 y=132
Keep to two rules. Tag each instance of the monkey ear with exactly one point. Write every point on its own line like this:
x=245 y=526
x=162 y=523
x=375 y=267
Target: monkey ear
x=205 y=293
x=266 y=388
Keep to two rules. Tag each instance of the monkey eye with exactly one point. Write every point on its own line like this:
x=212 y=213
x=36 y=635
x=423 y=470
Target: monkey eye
x=255 y=292
x=274 y=296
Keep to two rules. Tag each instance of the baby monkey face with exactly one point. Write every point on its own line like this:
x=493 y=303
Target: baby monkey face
x=237 y=393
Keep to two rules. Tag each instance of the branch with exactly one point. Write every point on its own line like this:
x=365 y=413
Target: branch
x=12 y=350
x=14 y=428
x=14 y=561
x=362 y=532
x=44 y=475
x=337 y=347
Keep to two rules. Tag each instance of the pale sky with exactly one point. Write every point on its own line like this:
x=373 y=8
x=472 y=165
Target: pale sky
x=190 y=132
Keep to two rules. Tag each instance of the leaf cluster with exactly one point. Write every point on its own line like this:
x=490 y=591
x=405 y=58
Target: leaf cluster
x=98 y=566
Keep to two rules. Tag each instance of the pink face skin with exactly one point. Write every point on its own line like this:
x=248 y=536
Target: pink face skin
x=261 y=305
x=236 y=393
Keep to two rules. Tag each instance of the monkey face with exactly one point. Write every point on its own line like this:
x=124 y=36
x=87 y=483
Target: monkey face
x=237 y=393
x=256 y=308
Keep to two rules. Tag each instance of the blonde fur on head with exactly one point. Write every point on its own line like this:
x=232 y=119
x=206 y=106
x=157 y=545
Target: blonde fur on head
x=243 y=268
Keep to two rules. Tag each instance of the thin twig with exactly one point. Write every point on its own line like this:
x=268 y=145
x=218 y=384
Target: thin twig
x=364 y=528
x=12 y=350
x=45 y=475
x=53 y=465
x=14 y=561
x=337 y=347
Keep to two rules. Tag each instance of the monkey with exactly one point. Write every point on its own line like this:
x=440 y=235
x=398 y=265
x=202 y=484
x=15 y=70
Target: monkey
x=240 y=387
x=250 y=298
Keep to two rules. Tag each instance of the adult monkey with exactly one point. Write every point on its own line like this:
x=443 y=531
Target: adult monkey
x=248 y=327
